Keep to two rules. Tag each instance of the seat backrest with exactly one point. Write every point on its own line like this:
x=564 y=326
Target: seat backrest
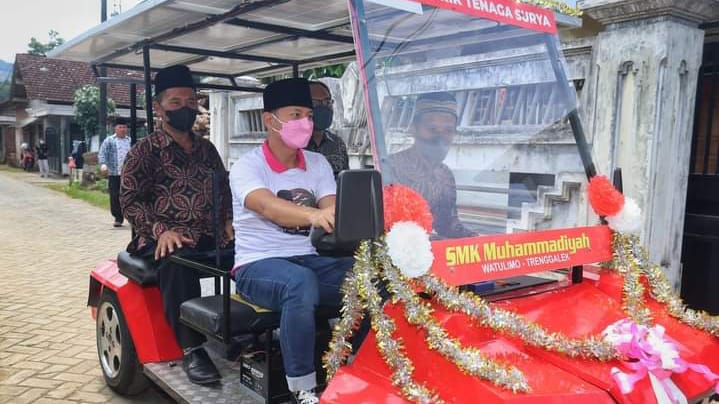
x=359 y=214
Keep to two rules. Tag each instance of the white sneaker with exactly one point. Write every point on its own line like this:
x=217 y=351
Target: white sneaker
x=305 y=397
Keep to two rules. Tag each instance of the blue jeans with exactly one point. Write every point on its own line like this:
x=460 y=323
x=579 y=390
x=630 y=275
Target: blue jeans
x=295 y=286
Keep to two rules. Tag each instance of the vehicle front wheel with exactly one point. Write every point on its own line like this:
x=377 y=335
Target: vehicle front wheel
x=118 y=359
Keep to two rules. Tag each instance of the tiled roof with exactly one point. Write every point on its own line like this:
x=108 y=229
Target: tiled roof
x=56 y=80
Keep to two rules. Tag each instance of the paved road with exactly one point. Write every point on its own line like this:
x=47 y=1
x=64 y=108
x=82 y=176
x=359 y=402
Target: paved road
x=48 y=245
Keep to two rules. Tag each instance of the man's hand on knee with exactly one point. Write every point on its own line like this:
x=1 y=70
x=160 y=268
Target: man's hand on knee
x=168 y=242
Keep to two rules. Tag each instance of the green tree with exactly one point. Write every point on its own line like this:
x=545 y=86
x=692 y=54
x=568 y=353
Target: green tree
x=5 y=90
x=36 y=47
x=86 y=104
x=335 y=71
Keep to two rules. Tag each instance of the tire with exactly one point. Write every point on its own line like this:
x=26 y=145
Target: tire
x=115 y=349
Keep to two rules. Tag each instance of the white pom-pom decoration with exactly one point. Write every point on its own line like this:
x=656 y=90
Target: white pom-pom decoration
x=409 y=248
x=628 y=220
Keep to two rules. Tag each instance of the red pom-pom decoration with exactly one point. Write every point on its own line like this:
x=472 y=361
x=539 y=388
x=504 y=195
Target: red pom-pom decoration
x=404 y=204
x=605 y=199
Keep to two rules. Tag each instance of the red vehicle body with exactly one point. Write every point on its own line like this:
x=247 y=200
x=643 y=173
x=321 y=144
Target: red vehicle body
x=576 y=310
x=142 y=306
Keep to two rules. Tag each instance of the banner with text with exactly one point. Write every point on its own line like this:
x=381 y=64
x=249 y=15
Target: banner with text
x=505 y=11
x=478 y=259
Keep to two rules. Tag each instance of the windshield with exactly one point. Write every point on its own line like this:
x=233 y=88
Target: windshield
x=470 y=113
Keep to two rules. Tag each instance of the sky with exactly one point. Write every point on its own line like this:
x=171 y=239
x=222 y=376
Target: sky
x=27 y=18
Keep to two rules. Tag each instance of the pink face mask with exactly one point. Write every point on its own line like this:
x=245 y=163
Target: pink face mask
x=296 y=134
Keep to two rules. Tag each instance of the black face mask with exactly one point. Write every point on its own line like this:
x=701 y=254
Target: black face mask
x=322 y=117
x=182 y=119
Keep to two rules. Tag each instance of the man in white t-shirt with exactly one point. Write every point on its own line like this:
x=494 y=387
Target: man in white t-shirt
x=280 y=191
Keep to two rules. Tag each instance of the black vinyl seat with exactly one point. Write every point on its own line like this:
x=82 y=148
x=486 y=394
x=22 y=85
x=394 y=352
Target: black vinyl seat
x=142 y=271
x=205 y=314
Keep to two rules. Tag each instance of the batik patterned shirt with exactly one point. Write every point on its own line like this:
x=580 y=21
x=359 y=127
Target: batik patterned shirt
x=165 y=188
x=435 y=182
x=334 y=149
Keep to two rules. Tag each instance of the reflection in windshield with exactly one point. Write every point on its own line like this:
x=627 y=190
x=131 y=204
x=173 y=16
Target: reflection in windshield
x=421 y=165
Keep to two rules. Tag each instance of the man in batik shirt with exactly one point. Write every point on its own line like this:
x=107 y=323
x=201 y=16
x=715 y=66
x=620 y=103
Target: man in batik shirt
x=166 y=195
x=323 y=141
x=421 y=166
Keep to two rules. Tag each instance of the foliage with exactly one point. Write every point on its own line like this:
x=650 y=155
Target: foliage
x=75 y=191
x=86 y=104
x=101 y=185
x=335 y=71
x=5 y=90
x=36 y=47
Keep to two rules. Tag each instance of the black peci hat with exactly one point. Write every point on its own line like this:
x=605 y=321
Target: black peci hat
x=287 y=92
x=173 y=76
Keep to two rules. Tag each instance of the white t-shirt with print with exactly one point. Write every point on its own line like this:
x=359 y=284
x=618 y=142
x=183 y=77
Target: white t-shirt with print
x=257 y=238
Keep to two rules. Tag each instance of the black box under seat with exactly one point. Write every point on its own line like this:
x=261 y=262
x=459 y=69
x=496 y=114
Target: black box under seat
x=253 y=361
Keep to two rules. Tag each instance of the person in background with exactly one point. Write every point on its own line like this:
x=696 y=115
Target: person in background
x=421 y=166
x=323 y=141
x=27 y=157
x=42 y=154
x=111 y=158
x=78 y=155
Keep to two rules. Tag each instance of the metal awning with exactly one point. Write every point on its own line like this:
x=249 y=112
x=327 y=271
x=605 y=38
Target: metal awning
x=220 y=38
x=224 y=38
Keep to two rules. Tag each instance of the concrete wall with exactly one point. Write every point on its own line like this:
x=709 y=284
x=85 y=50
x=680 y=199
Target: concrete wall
x=645 y=66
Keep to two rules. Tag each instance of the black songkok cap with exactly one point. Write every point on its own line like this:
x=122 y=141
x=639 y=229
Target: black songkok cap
x=286 y=93
x=173 y=76
x=121 y=121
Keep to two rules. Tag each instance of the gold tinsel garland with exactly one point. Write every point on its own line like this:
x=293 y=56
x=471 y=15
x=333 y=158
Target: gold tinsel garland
x=360 y=292
x=469 y=360
x=390 y=348
x=633 y=289
x=350 y=316
x=513 y=324
x=631 y=257
x=554 y=5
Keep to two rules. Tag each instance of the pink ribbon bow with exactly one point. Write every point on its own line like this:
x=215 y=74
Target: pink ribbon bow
x=650 y=352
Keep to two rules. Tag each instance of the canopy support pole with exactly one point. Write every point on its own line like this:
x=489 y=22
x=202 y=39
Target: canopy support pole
x=577 y=272
x=148 y=89
x=133 y=113
x=366 y=65
x=585 y=153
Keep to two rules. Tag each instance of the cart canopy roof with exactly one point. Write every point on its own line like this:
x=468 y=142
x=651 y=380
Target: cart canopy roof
x=225 y=38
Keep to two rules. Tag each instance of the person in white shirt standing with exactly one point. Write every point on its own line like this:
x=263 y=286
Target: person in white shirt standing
x=111 y=158
x=280 y=191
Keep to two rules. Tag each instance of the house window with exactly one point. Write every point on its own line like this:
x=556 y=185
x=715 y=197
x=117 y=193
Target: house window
x=249 y=124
